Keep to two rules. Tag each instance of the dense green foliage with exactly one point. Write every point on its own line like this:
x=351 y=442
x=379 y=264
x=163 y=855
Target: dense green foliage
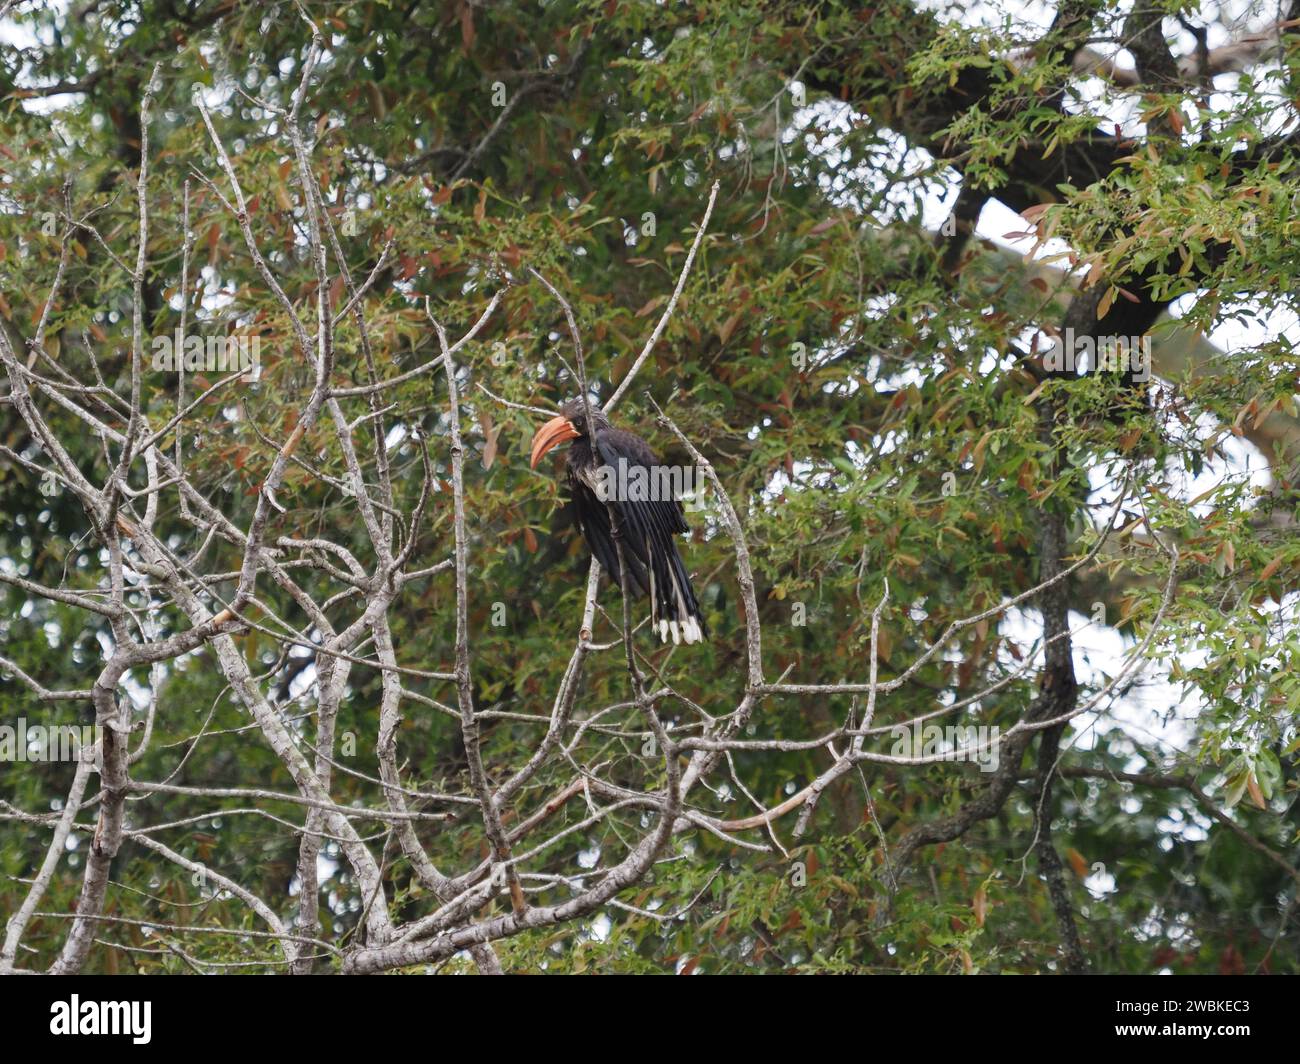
x=857 y=381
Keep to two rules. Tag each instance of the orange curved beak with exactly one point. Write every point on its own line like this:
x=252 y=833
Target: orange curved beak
x=554 y=432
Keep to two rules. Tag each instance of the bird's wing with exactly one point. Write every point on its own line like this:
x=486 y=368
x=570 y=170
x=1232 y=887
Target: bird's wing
x=650 y=517
x=593 y=520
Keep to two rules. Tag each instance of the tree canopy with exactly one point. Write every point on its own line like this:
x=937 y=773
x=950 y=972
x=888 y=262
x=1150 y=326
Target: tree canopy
x=978 y=324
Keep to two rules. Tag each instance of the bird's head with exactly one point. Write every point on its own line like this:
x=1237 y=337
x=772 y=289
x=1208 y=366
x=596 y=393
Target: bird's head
x=569 y=424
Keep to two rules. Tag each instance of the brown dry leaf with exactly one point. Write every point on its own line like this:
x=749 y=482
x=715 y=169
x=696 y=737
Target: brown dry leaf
x=884 y=643
x=490 y=434
x=467 y=32
x=729 y=326
x=1256 y=795
x=1272 y=566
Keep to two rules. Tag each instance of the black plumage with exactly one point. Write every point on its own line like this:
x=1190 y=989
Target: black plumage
x=616 y=484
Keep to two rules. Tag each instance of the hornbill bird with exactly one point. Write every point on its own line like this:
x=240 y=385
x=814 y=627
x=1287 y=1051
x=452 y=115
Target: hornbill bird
x=617 y=487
